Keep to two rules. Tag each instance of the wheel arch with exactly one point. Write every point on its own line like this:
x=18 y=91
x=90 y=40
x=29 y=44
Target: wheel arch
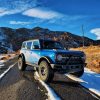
x=22 y=55
x=48 y=59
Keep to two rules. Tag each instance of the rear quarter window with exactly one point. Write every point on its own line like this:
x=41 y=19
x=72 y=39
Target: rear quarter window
x=35 y=43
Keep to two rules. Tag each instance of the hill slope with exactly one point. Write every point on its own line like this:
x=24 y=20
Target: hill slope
x=13 y=38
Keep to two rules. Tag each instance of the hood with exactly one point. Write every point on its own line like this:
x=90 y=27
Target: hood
x=68 y=52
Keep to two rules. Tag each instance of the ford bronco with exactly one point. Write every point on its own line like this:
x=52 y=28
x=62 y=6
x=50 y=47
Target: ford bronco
x=48 y=57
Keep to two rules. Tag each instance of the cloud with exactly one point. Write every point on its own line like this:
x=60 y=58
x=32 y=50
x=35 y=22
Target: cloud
x=96 y=31
x=42 y=13
x=67 y=18
x=19 y=23
x=8 y=12
x=2 y=10
x=8 y=7
x=29 y=8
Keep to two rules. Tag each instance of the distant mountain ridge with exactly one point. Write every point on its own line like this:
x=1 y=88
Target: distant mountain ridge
x=12 y=38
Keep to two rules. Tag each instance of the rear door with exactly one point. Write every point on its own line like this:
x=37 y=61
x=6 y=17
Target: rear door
x=35 y=52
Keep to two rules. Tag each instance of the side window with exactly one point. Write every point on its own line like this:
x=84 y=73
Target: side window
x=35 y=44
x=24 y=45
x=29 y=45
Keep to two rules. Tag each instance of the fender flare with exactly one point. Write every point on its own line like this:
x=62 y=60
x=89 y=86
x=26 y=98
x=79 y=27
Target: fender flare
x=48 y=59
x=22 y=55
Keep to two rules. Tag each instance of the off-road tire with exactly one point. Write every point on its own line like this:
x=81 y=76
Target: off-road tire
x=21 y=64
x=45 y=71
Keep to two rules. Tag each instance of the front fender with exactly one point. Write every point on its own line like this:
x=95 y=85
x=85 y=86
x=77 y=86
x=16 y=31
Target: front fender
x=48 y=59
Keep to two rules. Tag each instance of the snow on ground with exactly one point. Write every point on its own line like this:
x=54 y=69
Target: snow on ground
x=5 y=56
x=1 y=61
x=51 y=93
x=93 y=81
x=90 y=80
x=1 y=56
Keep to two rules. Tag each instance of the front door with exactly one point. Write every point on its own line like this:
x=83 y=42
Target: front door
x=28 y=52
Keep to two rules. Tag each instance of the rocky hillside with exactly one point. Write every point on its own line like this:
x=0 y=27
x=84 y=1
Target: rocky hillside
x=11 y=39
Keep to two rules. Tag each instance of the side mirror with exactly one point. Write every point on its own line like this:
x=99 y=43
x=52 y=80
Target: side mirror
x=35 y=47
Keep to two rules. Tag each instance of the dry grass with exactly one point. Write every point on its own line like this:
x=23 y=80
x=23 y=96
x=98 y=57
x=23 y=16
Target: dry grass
x=93 y=57
x=6 y=56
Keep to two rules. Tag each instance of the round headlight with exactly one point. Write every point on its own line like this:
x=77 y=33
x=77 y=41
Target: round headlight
x=59 y=57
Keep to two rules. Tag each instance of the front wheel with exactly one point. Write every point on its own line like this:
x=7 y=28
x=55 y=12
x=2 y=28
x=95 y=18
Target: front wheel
x=45 y=71
x=21 y=64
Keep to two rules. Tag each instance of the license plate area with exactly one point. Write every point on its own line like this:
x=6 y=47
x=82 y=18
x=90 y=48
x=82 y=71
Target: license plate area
x=72 y=67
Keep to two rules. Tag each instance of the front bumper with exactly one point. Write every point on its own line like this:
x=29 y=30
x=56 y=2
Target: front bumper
x=68 y=68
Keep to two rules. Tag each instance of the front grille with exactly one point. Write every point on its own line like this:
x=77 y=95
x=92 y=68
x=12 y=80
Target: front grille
x=74 y=60
x=71 y=59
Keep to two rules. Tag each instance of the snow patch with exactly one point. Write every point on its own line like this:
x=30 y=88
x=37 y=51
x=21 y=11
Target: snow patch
x=93 y=80
x=90 y=80
x=1 y=56
x=3 y=61
x=1 y=65
x=51 y=93
x=75 y=78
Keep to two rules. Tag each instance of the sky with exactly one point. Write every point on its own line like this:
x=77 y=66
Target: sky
x=56 y=15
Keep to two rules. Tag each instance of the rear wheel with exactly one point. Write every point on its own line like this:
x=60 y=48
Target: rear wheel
x=21 y=64
x=79 y=74
x=45 y=71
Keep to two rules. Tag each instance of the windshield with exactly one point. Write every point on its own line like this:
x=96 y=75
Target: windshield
x=52 y=45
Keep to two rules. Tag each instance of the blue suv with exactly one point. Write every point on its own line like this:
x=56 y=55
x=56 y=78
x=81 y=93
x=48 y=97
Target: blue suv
x=48 y=57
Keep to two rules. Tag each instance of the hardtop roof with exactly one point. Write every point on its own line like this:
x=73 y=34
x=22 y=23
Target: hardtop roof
x=39 y=40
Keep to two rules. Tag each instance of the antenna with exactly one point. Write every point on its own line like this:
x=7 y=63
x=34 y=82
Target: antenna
x=83 y=34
